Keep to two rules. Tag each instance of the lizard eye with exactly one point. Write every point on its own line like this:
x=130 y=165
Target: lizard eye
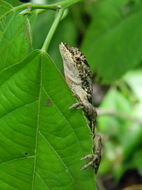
x=77 y=59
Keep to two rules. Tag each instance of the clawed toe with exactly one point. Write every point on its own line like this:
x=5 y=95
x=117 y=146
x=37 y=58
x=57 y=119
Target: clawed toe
x=77 y=105
x=91 y=163
x=88 y=156
x=94 y=162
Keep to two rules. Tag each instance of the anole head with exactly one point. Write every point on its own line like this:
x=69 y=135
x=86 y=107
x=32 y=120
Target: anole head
x=73 y=52
x=75 y=64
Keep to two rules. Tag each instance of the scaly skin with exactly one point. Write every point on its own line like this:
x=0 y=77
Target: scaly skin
x=78 y=77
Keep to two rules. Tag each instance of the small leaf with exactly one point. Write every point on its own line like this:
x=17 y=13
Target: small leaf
x=4 y=7
x=14 y=41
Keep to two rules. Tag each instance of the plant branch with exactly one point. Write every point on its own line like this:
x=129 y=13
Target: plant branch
x=54 y=6
x=52 y=30
x=102 y=112
x=36 y=6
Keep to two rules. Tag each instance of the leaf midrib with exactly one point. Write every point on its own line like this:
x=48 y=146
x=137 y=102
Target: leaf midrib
x=38 y=132
x=38 y=125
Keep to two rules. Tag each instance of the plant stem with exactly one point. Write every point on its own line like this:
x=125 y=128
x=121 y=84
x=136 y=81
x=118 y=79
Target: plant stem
x=58 y=5
x=103 y=112
x=52 y=30
x=35 y=6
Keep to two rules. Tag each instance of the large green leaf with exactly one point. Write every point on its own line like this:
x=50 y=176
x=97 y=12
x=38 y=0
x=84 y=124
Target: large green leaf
x=15 y=37
x=113 y=41
x=42 y=141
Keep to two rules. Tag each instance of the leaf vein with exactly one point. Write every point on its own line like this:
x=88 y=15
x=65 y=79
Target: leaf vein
x=58 y=155
x=19 y=107
x=65 y=119
x=15 y=159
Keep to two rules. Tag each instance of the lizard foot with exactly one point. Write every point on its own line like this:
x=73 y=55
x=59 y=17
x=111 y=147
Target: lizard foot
x=96 y=158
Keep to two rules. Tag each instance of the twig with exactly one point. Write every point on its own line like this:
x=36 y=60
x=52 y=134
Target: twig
x=58 y=5
x=103 y=112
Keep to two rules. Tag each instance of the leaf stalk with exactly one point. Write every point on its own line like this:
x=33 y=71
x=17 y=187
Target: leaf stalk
x=52 y=30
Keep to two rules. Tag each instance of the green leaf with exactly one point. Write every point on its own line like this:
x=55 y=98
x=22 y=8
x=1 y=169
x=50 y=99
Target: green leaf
x=15 y=40
x=113 y=40
x=42 y=141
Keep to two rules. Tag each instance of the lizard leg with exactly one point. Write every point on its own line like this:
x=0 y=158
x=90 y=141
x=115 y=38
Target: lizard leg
x=96 y=157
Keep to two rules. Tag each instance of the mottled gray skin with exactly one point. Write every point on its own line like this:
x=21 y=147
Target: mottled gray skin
x=78 y=77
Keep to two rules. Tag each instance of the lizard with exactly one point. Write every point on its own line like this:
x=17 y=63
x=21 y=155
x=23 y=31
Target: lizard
x=78 y=77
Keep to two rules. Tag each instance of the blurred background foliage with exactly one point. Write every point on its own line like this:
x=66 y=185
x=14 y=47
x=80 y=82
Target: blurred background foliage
x=110 y=34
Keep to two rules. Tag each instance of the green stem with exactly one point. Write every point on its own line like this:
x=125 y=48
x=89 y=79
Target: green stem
x=58 y=5
x=35 y=6
x=52 y=30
